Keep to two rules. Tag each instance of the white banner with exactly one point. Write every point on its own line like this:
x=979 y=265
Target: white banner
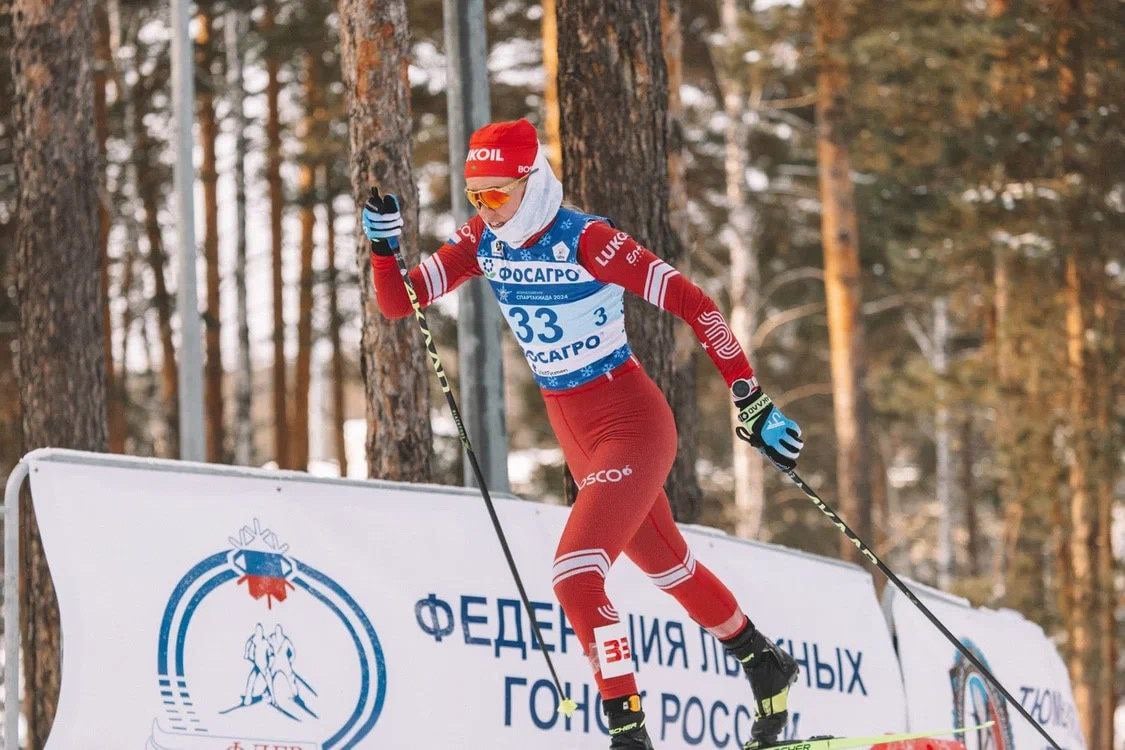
x=250 y=610
x=943 y=687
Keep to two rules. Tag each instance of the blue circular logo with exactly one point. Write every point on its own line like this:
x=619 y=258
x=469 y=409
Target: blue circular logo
x=258 y=647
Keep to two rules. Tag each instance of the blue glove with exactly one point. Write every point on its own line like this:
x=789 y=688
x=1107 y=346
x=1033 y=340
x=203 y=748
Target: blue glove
x=382 y=222
x=764 y=426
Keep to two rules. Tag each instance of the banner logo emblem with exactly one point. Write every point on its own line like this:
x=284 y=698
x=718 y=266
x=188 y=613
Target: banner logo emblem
x=257 y=648
x=975 y=701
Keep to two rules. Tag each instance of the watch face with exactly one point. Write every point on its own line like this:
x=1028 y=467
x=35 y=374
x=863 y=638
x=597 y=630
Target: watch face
x=743 y=388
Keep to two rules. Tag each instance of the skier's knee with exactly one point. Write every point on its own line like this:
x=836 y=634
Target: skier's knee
x=580 y=576
x=580 y=588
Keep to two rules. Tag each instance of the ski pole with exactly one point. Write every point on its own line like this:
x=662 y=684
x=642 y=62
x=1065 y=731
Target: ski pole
x=567 y=707
x=867 y=552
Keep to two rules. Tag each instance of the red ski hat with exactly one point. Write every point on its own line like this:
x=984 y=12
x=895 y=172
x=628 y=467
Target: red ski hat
x=502 y=149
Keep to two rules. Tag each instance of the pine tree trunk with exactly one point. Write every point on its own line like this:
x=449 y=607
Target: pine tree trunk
x=148 y=186
x=10 y=420
x=613 y=95
x=103 y=63
x=685 y=406
x=163 y=302
x=61 y=338
x=1081 y=598
x=277 y=207
x=128 y=274
x=842 y=277
x=1105 y=471
x=130 y=189
x=1026 y=497
x=243 y=437
x=551 y=130
x=306 y=195
x=740 y=237
x=145 y=442
x=209 y=176
x=10 y=425
x=1002 y=350
x=375 y=46
x=1008 y=484
x=969 y=493
x=331 y=280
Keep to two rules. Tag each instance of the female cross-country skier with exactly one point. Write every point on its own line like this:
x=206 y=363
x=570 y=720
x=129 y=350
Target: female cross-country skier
x=559 y=276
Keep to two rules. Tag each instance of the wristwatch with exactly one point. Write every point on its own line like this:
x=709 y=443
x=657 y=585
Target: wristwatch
x=743 y=387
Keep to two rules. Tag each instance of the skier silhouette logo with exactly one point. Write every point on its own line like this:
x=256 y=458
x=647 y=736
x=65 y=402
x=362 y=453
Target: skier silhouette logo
x=229 y=659
x=257 y=653
x=273 y=680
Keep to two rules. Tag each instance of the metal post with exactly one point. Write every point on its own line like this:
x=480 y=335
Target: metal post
x=191 y=347
x=12 y=605
x=478 y=322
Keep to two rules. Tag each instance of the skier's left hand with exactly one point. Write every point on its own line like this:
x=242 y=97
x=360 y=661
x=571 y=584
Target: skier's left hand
x=764 y=426
x=382 y=222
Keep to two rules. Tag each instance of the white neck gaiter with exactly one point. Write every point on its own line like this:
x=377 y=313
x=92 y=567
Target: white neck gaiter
x=542 y=198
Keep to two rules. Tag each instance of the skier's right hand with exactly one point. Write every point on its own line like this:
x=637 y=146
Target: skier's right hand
x=382 y=222
x=764 y=426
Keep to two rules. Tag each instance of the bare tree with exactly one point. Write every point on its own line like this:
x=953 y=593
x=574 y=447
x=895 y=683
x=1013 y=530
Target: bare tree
x=58 y=283
x=374 y=46
x=934 y=345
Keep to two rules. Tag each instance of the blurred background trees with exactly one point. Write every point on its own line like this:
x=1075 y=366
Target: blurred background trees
x=912 y=213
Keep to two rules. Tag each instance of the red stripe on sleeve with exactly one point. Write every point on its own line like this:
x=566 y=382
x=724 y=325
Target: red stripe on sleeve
x=614 y=257
x=441 y=273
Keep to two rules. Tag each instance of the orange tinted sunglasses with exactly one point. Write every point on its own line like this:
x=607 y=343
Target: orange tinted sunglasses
x=495 y=197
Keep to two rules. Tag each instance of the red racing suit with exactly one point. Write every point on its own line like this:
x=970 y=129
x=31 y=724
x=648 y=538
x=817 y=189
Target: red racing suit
x=561 y=294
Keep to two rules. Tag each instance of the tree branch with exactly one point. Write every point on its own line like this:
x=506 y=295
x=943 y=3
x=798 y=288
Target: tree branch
x=792 y=102
x=919 y=335
x=785 y=277
x=785 y=316
x=804 y=391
